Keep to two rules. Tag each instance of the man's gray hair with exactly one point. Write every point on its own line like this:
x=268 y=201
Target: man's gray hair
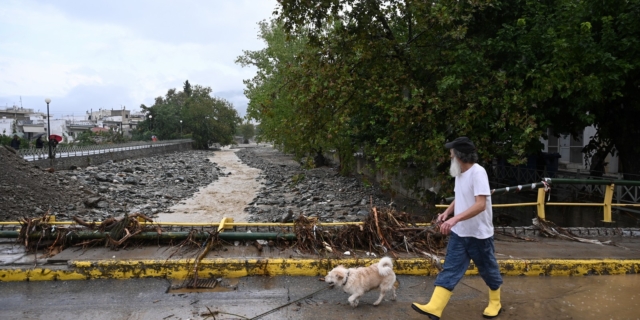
x=466 y=157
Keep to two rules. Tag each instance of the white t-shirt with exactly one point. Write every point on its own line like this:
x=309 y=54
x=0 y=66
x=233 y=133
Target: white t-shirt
x=471 y=183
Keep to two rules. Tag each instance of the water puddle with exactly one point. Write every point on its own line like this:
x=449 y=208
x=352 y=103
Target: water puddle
x=614 y=297
x=590 y=297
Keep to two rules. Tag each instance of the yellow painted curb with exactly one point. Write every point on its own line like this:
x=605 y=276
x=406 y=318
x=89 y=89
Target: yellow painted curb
x=207 y=268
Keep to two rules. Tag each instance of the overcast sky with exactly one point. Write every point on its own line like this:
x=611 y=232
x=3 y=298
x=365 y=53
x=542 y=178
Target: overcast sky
x=91 y=54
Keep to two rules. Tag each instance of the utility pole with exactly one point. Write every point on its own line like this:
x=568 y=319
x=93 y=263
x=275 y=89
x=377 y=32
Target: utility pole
x=47 y=100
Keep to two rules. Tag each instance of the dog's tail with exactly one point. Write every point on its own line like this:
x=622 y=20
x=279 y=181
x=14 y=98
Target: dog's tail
x=385 y=266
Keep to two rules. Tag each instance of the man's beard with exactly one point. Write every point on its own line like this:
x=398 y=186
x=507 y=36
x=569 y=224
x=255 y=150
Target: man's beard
x=455 y=169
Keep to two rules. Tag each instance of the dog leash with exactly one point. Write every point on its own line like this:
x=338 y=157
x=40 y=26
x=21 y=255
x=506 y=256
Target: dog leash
x=290 y=303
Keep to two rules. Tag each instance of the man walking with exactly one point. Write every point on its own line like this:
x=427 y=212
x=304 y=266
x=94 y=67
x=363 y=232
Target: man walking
x=471 y=230
x=15 y=143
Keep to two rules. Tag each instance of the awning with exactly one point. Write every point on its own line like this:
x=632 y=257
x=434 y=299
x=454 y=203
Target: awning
x=32 y=129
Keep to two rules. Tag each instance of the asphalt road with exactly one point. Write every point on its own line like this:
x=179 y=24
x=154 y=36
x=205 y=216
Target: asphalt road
x=593 y=297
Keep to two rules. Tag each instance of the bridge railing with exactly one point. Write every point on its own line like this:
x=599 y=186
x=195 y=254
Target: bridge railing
x=33 y=154
x=500 y=175
x=544 y=186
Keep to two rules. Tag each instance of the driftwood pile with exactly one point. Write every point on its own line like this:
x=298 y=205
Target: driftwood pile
x=551 y=230
x=119 y=231
x=384 y=231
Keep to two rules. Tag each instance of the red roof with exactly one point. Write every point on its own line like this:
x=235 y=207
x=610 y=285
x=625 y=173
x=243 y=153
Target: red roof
x=98 y=129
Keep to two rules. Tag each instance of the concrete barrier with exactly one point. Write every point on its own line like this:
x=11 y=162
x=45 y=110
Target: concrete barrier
x=238 y=267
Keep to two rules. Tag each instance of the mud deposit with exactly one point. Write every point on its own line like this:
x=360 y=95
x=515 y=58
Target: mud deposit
x=225 y=197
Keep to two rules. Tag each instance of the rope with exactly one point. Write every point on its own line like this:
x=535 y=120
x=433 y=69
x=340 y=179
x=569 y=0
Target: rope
x=547 y=189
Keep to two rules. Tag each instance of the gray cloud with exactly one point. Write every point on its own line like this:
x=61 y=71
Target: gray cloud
x=194 y=21
x=79 y=100
x=237 y=98
x=105 y=54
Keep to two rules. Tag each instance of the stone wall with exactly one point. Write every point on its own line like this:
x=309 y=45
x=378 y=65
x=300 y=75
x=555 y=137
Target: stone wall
x=396 y=180
x=578 y=231
x=366 y=168
x=96 y=159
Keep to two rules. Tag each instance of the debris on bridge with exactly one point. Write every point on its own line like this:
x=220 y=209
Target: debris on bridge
x=551 y=230
x=384 y=231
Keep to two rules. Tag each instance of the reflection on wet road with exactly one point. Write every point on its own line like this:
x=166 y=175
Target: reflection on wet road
x=523 y=298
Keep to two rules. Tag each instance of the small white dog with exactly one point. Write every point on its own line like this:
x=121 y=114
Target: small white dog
x=357 y=281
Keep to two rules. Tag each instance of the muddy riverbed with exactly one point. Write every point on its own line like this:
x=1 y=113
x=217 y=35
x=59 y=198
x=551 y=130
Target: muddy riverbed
x=261 y=184
x=225 y=197
x=251 y=183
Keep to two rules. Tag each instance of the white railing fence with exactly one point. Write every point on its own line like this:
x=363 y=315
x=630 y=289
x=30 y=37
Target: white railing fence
x=33 y=154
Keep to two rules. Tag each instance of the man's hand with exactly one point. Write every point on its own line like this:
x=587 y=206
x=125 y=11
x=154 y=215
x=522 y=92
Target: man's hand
x=444 y=224
x=445 y=227
x=443 y=217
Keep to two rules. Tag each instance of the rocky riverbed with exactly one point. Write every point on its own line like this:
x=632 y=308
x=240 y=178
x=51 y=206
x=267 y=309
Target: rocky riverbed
x=156 y=186
x=290 y=189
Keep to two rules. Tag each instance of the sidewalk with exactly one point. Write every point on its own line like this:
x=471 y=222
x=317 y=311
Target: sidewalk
x=542 y=257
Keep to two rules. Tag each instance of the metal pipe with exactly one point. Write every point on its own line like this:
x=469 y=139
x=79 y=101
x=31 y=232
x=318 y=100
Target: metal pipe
x=593 y=181
x=572 y=204
x=498 y=205
x=49 y=130
x=509 y=205
x=90 y=235
x=201 y=224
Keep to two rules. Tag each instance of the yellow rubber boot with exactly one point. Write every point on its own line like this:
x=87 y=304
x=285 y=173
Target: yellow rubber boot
x=434 y=308
x=494 y=307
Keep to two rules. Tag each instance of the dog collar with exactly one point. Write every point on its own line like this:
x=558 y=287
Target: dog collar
x=347 y=278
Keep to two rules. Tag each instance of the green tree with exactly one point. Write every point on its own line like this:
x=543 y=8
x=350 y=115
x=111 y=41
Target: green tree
x=582 y=65
x=187 y=88
x=397 y=79
x=288 y=95
x=353 y=83
x=247 y=130
x=210 y=119
x=206 y=118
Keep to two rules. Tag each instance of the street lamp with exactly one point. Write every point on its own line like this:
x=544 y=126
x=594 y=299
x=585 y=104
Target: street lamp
x=150 y=116
x=181 y=128
x=47 y=100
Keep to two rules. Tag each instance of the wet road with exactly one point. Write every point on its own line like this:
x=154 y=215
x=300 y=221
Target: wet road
x=593 y=297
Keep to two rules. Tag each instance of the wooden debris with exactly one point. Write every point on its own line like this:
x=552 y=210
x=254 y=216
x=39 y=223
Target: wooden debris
x=551 y=230
x=384 y=231
x=257 y=245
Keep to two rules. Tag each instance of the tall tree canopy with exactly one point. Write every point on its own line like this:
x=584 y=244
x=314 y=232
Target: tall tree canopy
x=398 y=78
x=205 y=118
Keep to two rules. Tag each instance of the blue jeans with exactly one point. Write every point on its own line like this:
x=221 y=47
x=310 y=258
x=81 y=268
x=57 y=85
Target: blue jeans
x=462 y=249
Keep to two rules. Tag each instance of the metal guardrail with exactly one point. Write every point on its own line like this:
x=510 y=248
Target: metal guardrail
x=510 y=175
x=33 y=154
x=224 y=224
x=544 y=187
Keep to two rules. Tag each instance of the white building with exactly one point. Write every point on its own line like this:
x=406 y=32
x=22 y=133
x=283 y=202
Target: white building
x=6 y=126
x=570 y=149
